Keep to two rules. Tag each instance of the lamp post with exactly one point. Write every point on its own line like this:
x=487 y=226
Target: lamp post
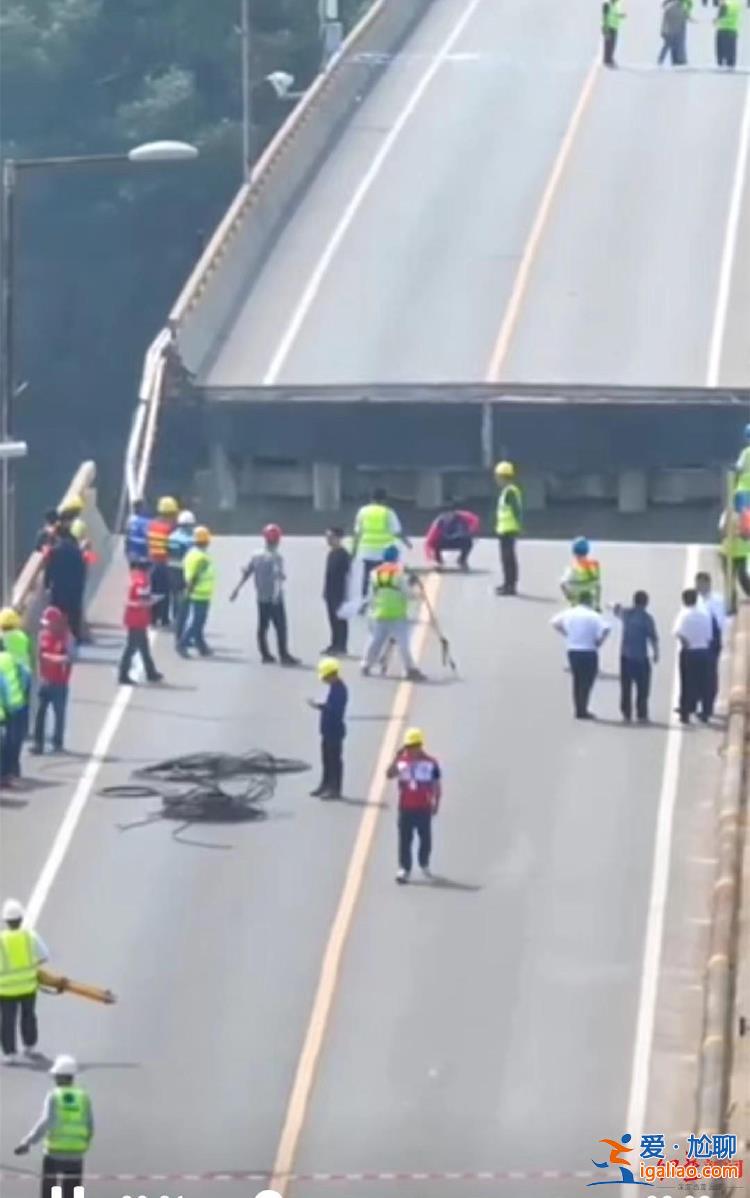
x=155 y=151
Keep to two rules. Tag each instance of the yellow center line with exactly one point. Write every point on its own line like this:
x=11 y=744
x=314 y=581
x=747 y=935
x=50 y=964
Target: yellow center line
x=304 y=1079
x=531 y=248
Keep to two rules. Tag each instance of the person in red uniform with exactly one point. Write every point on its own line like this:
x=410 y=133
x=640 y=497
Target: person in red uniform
x=137 y=623
x=55 y=649
x=419 y=793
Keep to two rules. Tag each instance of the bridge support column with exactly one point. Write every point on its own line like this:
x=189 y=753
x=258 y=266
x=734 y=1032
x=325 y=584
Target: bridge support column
x=326 y=481
x=429 y=493
x=632 y=492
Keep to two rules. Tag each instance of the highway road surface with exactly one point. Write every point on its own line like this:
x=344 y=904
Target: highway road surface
x=481 y=1027
x=520 y=208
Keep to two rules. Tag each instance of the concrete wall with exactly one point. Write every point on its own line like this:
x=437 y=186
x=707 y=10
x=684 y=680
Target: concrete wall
x=628 y=448
x=232 y=260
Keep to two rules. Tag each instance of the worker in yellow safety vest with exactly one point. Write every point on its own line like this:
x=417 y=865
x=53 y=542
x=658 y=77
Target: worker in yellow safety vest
x=734 y=528
x=376 y=527
x=742 y=467
x=727 y=24
x=508 y=525
x=389 y=612
x=22 y=951
x=15 y=687
x=200 y=582
x=67 y=1125
x=583 y=575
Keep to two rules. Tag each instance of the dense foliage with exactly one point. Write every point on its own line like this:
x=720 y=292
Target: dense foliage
x=103 y=250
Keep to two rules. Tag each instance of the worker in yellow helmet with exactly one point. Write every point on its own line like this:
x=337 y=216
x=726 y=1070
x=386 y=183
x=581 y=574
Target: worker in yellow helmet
x=508 y=525
x=419 y=792
x=200 y=582
x=332 y=729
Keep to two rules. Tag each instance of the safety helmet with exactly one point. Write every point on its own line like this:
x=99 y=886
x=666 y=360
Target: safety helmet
x=167 y=506
x=272 y=534
x=413 y=738
x=12 y=909
x=9 y=618
x=741 y=500
x=185 y=517
x=327 y=667
x=202 y=535
x=64 y=1066
x=505 y=470
x=391 y=553
x=580 y=547
x=72 y=506
x=51 y=616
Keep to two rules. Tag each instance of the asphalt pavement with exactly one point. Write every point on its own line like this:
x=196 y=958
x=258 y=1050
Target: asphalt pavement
x=482 y=1024
x=625 y=271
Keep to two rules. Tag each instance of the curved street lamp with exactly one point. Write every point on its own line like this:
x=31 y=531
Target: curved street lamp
x=148 y=152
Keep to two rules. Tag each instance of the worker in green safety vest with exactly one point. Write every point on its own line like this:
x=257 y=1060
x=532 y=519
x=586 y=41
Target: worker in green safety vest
x=21 y=648
x=15 y=685
x=389 y=610
x=735 y=549
x=727 y=26
x=200 y=582
x=22 y=951
x=508 y=525
x=612 y=17
x=376 y=527
x=67 y=1125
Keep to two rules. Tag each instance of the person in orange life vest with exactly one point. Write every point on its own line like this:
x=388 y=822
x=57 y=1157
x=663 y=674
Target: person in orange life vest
x=55 y=649
x=159 y=532
x=454 y=530
x=583 y=575
x=419 y=793
x=137 y=623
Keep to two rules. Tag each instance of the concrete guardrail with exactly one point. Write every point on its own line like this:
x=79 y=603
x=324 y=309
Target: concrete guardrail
x=712 y=1112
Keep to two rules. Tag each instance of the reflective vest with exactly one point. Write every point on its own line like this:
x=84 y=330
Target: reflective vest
x=18 y=963
x=68 y=1133
x=13 y=680
x=507 y=521
x=390 y=600
x=374 y=529
x=730 y=21
x=158 y=538
x=200 y=575
x=18 y=644
x=585 y=577
x=613 y=15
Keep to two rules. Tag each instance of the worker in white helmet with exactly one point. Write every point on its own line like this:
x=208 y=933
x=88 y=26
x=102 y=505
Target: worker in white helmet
x=22 y=951
x=67 y=1125
x=181 y=541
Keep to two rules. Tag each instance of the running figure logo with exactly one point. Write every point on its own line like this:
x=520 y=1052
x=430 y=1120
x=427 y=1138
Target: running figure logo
x=618 y=1158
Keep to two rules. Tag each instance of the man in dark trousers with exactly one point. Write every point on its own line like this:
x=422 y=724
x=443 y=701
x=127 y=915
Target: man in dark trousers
x=137 y=623
x=65 y=578
x=22 y=951
x=585 y=632
x=712 y=602
x=454 y=531
x=338 y=565
x=694 y=631
x=332 y=729
x=419 y=793
x=269 y=576
x=638 y=634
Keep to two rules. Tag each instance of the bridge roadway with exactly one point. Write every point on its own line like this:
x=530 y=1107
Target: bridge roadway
x=625 y=264
x=482 y=1023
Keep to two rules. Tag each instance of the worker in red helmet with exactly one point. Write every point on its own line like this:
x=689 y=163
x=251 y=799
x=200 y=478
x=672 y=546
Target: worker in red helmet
x=269 y=576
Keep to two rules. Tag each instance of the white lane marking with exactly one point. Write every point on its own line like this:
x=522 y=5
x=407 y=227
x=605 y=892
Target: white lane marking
x=80 y=798
x=530 y=250
x=314 y=283
x=716 y=344
x=654 y=937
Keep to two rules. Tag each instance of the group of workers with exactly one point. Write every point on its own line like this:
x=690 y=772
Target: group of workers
x=676 y=15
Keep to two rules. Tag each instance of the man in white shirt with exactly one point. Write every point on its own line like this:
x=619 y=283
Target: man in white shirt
x=585 y=632
x=694 y=630
x=712 y=602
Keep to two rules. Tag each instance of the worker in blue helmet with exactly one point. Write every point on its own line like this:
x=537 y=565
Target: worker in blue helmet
x=583 y=575
x=742 y=467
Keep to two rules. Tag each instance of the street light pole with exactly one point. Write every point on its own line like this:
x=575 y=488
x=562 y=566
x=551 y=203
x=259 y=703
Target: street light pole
x=247 y=114
x=161 y=151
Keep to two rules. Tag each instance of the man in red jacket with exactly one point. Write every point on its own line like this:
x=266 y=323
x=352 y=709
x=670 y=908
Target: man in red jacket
x=55 y=649
x=137 y=622
x=419 y=792
x=454 y=529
